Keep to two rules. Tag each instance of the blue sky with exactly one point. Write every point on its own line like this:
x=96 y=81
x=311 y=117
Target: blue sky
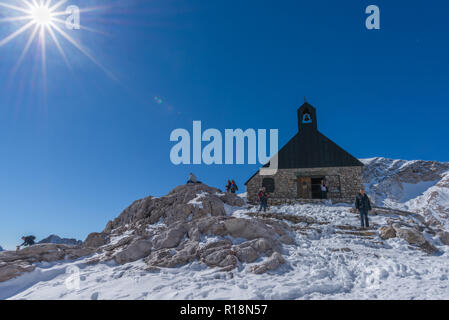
x=75 y=154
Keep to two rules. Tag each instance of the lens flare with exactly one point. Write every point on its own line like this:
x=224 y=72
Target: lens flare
x=42 y=20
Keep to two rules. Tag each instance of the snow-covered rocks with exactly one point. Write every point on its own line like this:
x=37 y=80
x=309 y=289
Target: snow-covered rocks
x=410 y=235
x=416 y=186
x=14 y=263
x=176 y=229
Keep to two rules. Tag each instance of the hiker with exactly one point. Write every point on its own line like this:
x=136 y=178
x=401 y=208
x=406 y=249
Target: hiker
x=234 y=187
x=263 y=199
x=228 y=186
x=27 y=241
x=323 y=189
x=192 y=178
x=363 y=205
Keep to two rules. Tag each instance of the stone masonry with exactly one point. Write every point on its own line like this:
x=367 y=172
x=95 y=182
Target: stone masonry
x=343 y=184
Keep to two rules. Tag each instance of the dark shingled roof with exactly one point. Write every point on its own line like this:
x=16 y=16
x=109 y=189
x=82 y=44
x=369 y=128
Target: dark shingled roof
x=311 y=149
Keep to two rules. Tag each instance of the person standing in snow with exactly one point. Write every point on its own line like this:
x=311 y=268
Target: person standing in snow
x=263 y=199
x=363 y=205
x=228 y=186
x=323 y=189
x=234 y=187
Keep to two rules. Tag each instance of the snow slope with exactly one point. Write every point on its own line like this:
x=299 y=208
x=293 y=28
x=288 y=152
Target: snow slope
x=327 y=262
x=416 y=186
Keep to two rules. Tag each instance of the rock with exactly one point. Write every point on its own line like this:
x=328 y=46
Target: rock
x=412 y=236
x=248 y=229
x=170 y=238
x=96 y=240
x=444 y=237
x=135 y=251
x=218 y=254
x=247 y=254
x=387 y=232
x=272 y=263
x=9 y=271
x=14 y=263
x=429 y=248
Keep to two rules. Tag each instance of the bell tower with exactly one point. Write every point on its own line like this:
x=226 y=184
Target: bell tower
x=307 y=117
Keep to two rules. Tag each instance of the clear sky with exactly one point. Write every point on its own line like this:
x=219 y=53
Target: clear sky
x=79 y=147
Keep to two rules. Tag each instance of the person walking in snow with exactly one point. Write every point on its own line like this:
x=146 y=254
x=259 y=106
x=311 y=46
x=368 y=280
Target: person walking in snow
x=234 y=187
x=263 y=199
x=363 y=205
x=27 y=241
x=228 y=186
x=323 y=189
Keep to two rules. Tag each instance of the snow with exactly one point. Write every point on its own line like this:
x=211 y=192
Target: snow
x=323 y=264
x=197 y=200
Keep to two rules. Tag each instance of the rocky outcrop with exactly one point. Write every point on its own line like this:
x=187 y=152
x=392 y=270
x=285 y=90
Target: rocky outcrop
x=58 y=240
x=387 y=232
x=410 y=235
x=190 y=223
x=444 y=237
x=14 y=263
x=95 y=240
x=171 y=231
x=418 y=186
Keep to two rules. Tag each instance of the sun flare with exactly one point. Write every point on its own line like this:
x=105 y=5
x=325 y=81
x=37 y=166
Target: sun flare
x=42 y=15
x=43 y=20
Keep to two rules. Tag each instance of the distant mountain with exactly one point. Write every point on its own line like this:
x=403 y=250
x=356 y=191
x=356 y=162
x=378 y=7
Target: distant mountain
x=416 y=186
x=58 y=240
x=1 y=249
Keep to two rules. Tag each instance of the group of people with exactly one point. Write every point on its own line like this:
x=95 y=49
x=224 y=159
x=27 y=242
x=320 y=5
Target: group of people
x=362 y=203
x=231 y=186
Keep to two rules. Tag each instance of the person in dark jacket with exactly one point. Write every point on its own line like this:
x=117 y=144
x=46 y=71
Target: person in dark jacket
x=228 y=186
x=363 y=205
x=263 y=199
x=27 y=241
x=323 y=189
x=234 y=187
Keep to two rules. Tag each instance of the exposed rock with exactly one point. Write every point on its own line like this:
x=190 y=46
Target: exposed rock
x=272 y=263
x=135 y=251
x=95 y=240
x=412 y=236
x=387 y=232
x=444 y=237
x=14 y=263
x=429 y=248
x=12 y=270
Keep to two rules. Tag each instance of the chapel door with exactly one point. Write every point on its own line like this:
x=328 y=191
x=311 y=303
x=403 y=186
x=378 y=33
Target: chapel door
x=304 y=188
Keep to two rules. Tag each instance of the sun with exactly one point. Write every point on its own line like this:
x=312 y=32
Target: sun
x=44 y=21
x=42 y=15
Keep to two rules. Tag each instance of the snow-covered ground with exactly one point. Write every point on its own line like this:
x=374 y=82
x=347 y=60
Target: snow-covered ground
x=325 y=263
